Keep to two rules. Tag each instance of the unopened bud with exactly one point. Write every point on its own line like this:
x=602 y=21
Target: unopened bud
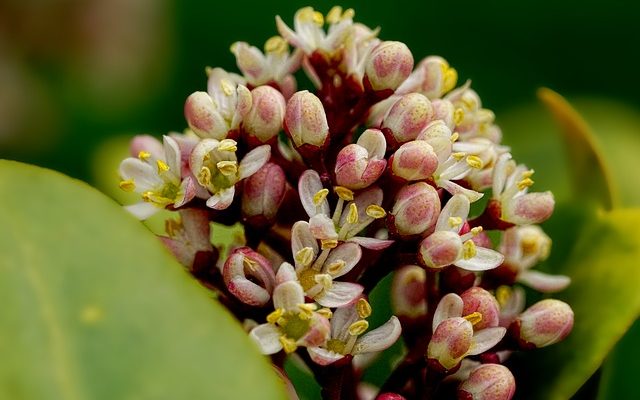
x=305 y=120
x=439 y=77
x=264 y=120
x=249 y=276
x=203 y=116
x=414 y=160
x=488 y=382
x=479 y=300
x=407 y=292
x=359 y=165
x=531 y=208
x=388 y=65
x=439 y=136
x=416 y=209
x=264 y=192
x=440 y=249
x=408 y=117
x=450 y=343
x=545 y=323
x=444 y=111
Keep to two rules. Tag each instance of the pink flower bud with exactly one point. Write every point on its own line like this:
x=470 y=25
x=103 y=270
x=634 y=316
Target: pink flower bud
x=305 y=120
x=438 y=135
x=264 y=120
x=407 y=292
x=438 y=77
x=545 y=323
x=416 y=209
x=388 y=65
x=203 y=116
x=249 y=276
x=408 y=117
x=414 y=161
x=360 y=164
x=530 y=208
x=440 y=249
x=263 y=194
x=390 y=396
x=488 y=382
x=450 y=343
x=479 y=300
x=444 y=111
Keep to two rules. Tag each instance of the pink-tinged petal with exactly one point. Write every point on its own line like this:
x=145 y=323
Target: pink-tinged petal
x=146 y=143
x=454 y=189
x=308 y=185
x=340 y=294
x=203 y=117
x=545 y=283
x=440 y=249
x=248 y=292
x=243 y=105
x=380 y=338
x=222 y=199
x=196 y=226
x=485 y=259
x=450 y=306
x=305 y=120
x=372 y=243
x=142 y=210
x=416 y=209
x=200 y=151
x=531 y=208
x=302 y=237
x=408 y=117
x=322 y=356
x=485 y=339
x=342 y=318
x=513 y=306
x=545 y=323
x=186 y=193
x=236 y=274
x=286 y=273
x=408 y=292
x=267 y=337
x=144 y=175
x=322 y=227
x=500 y=171
x=249 y=59
x=318 y=332
x=290 y=35
x=347 y=255
x=476 y=299
x=374 y=142
x=488 y=382
x=182 y=253
x=388 y=65
x=288 y=295
x=254 y=160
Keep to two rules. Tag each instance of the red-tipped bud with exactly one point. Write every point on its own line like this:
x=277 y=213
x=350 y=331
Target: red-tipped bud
x=249 y=277
x=450 y=343
x=388 y=65
x=263 y=194
x=408 y=117
x=440 y=249
x=305 y=120
x=264 y=120
x=416 y=209
x=545 y=323
x=414 y=161
x=488 y=382
x=479 y=300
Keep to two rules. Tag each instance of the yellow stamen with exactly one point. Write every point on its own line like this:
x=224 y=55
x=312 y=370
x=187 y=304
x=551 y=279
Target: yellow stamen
x=274 y=316
x=333 y=268
x=358 y=328
x=450 y=79
x=227 y=87
x=474 y=318
x=525 y=183
x=328 y=244
x=276 y=45
x=325 y=312
x=333 y=16
x=304 y=256
x=162 y=166
x=458 y=116
x=459 y=156
x=469 y=249
x=325 y=280
x=249 y=264
x=229 y=145
x=343 y=193
x=227 y=168
x=475 y=162
x=503 y=294
x=146 y=196
x=128 y=185
x=204 y=176
x=320 y=196
x=476 y=231
x=528 y=174
x=144 y=155
x=352 y=216
x=454 y=137
x=454 y=221
x=375 y=211
x=363 y=307
x=289 y=345
x=306 y=311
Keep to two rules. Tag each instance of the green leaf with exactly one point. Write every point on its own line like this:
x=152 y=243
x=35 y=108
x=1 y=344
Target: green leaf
x=620 y=373
x=605 y=297
x=95 y=308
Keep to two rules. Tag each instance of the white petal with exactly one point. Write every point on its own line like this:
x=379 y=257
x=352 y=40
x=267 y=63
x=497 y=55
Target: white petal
x=248 y=292
x=302 y=237
x=340 y=294
x=286 y=273
x=254 y=160
x=288 y=295
x=322 y=227
x=545 y=283
x=380 y=338
x=485 y=339
x=243 y=105
x=200 y=151
x=308 y=185
x=222 y=199
x=348 y=252
x=457 y=207
x=372 y=243
x=267 y=337
x=454 y=188
x=172 y=155
x=374 y=142
x=146 y=143
x=322 y=356
x=485 y=259
x=186 y=193
x=450 y=306
x=500 y=174
x=142 y=210
x=342 y=318
x=144 y=175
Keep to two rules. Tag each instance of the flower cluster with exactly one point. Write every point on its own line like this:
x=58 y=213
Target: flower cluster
x=380 y=168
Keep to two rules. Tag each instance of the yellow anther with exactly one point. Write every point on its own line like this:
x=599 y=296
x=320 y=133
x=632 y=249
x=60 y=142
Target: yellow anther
x=364 y=308
x=476 y=231
x=335 y=267
x=227 y=87
x=528 y=174
x=458 y=116
x=227 y=168
x=525 y=183
x=325 y=280
x=144 y=155
x=455 y=221
x=454 y=137
x=128 y=185
x=274 y=316
x=162 y=166
x=375 y=211
x=318 y=18
x=450 y=79
x=320 y=196
x=475 y=317
x=249 y=264
x=308 y=14
x=352 y=216
x=289 y=345
x=147 y=196
x=304 y=256
x=343 y=193
x=325 y=312
x=468 y=249
x=459 y=155
x=334 y=15
x=503 y=294
x=204 y=176
x=475 y=162
x=327 y=244
x=229 y=145
x=358 y=328
x=349 y=13
x=276 y=44
x=306 y=311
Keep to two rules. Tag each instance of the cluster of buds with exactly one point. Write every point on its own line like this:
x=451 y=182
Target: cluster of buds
x=373 y=171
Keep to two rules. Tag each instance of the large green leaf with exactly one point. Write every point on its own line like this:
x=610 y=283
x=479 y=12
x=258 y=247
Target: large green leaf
x=605 y=297
x=95 y=308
